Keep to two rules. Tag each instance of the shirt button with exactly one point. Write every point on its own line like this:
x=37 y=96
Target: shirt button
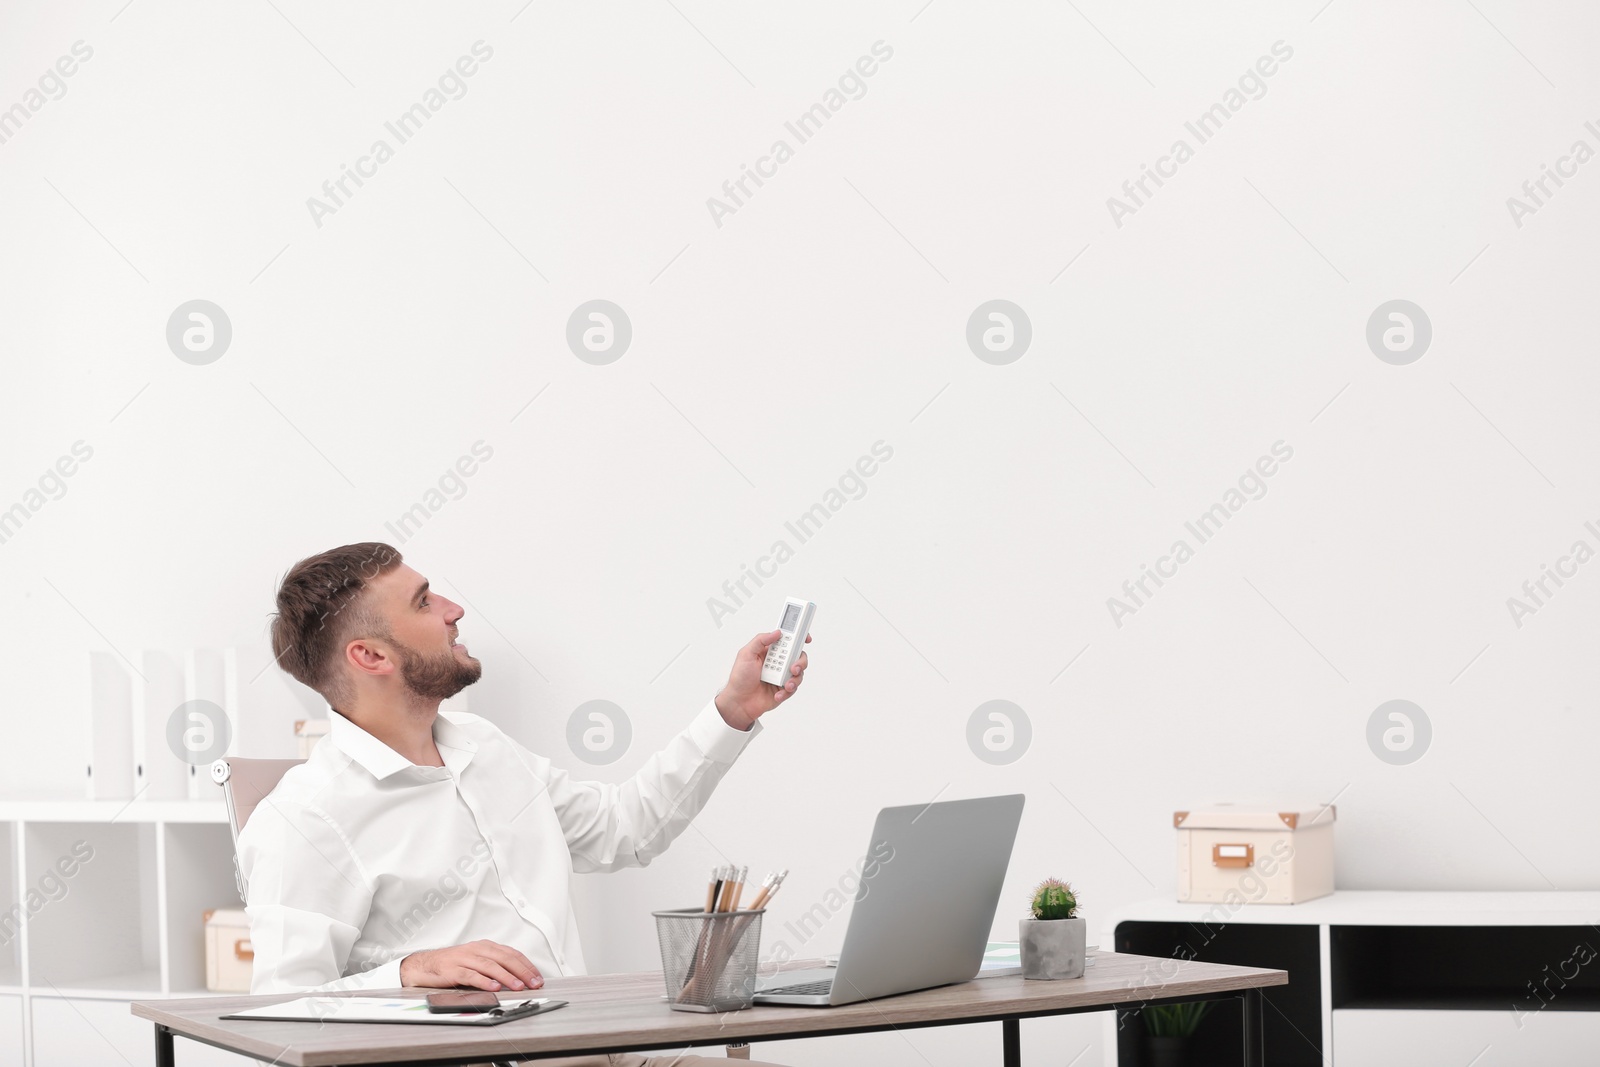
x=521 y=903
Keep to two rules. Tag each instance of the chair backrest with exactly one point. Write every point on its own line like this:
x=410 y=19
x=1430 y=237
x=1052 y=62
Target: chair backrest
x=245 y=784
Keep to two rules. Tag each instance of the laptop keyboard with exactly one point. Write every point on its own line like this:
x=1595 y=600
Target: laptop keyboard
x=804 y=988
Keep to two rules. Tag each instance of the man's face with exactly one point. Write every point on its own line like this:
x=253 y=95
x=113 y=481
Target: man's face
x=422 y=631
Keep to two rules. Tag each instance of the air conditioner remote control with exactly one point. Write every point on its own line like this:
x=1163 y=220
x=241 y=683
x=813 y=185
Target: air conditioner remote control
x=783 y=652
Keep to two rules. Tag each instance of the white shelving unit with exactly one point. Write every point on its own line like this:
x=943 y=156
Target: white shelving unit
x=111 y=896
x=1412 y=977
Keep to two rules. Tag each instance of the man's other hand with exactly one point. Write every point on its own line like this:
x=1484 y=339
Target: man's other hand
x=746 y=697
x=477 y=964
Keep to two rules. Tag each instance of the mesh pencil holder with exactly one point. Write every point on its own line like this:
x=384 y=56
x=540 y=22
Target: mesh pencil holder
x=709 y=959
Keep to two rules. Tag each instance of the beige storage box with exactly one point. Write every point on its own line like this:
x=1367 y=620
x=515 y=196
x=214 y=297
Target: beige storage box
x=229 y=957
x=1253 y=854
x=307 y=732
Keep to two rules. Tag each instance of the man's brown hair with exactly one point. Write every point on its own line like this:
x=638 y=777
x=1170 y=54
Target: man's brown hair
x=321 y=608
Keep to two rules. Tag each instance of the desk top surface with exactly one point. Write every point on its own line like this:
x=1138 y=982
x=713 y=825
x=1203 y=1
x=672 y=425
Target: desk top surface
x=620 y=1010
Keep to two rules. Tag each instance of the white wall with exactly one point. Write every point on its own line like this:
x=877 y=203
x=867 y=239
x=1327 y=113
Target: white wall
x=826 y=314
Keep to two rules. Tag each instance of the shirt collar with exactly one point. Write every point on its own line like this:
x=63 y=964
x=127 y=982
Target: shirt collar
x=381 y=761
x=454 y=745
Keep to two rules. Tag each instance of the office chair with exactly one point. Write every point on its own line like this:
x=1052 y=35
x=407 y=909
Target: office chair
x=246 y=782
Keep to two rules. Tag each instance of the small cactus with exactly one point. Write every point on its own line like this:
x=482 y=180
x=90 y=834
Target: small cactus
x=1054 y=899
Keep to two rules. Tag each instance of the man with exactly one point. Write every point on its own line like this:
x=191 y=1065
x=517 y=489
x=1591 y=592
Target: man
x=426 y=848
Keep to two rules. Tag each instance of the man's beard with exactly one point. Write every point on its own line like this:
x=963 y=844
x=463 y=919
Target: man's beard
x=437 y=677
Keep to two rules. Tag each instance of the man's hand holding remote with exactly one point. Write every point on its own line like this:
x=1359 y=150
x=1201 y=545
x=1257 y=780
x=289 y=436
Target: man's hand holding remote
x=746 y=697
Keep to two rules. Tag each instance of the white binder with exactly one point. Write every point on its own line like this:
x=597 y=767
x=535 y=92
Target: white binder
x=109 y=710
x=158 y=773
x=212 y=674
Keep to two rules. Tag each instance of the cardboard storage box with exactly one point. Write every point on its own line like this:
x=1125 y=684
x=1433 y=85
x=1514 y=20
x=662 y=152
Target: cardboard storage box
x=307 y=733
x=229 y=957
x=1254 y=854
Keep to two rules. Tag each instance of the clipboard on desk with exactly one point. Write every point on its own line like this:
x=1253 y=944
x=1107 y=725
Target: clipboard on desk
x=390 y=1010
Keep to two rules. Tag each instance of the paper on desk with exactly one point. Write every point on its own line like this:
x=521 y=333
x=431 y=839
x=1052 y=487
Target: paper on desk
x=1000 y=958
x=1005 y=957
x=371 y=1010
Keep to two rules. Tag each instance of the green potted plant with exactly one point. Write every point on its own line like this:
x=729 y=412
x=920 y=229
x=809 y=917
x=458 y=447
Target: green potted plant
x=1169 y=1028
x=1051 y=943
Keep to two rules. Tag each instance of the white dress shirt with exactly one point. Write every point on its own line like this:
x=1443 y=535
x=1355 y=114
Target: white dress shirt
x=359 y=857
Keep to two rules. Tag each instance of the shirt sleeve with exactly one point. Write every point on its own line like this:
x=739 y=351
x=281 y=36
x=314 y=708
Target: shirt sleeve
x=307 y=900
x=609 y=826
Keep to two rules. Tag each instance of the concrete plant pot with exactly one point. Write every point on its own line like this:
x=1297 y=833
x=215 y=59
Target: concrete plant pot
x=1051 y=948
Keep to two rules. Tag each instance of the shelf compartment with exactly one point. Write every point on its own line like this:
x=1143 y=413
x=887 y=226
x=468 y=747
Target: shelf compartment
x=12 y=913
x=72 y=1031
x=11 y=1024
x=199 y=860
x=96 y=925
x=1292 y=1019
x=1511 y=969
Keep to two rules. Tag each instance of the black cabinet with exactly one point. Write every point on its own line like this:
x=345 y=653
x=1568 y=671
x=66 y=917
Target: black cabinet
x=1291 y=1015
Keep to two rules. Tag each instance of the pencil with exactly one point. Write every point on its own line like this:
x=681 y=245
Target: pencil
x=716 y=889
x=725 y=894
x=762 y=891
x=711 y=889
x=768 y=892
x=776 y=886
x=713 y=896
x=738 y=887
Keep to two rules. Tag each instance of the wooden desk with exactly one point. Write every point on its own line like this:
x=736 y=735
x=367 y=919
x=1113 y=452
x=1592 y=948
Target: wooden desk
x=625 y=1013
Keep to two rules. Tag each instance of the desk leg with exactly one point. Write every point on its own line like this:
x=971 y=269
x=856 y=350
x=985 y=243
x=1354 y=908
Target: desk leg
x=1011 y=1042
x=1253 y=1052
x=164 y=1057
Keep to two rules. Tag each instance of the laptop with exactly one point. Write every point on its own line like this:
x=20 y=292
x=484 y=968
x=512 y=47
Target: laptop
x=922 y=912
